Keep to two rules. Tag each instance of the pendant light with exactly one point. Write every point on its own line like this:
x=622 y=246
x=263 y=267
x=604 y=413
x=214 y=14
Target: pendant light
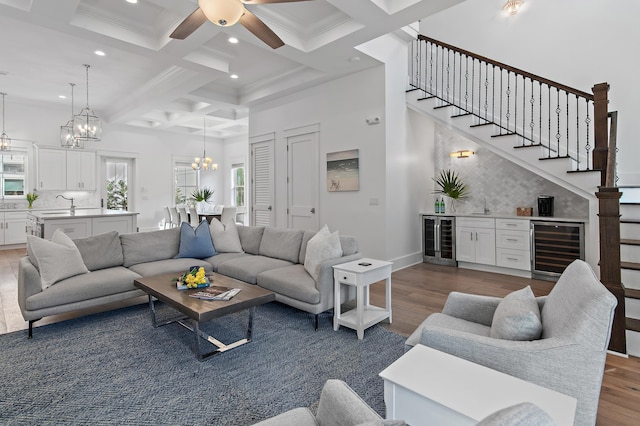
x=67 y=140
x=204 y=162
x=5 y=141
x=86 y=125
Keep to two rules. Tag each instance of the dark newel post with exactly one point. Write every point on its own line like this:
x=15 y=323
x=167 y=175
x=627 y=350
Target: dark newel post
x=609 y=217
x=600 y=128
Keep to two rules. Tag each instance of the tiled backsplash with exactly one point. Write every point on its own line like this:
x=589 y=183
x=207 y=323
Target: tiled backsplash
x=504 y=185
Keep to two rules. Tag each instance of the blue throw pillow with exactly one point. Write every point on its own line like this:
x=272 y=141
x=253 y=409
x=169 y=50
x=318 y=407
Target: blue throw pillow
x=195 y=243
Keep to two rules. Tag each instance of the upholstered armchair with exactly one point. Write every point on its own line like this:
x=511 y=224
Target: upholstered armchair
x=569 y=357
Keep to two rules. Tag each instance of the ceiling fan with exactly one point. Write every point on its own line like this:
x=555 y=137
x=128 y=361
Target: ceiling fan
x=226 y=13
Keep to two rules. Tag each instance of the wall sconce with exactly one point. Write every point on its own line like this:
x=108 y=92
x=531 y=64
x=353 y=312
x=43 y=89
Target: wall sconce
x=463 y=153
x=512 y=6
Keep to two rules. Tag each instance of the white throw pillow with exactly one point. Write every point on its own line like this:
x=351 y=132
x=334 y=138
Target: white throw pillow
x=321 y=247
x=57 y=259
x=225 y=236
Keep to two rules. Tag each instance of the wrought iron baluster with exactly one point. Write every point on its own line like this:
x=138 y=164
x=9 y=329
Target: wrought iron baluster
x=431 y=70
x=500 y=98
x=540 y=116
x=577 y=132
x=486 y=91
x=466 y=83
x=524 y=108
x=558 y=111
x=493 y=93
x=566 y=95
x=533 y=103
x=448 y=74
x=587 y=147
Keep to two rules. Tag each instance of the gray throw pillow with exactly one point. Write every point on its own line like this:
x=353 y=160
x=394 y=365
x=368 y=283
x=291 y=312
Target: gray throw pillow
x=517 y=317
x=100 y=251
x=281 y=243
x=250 y=238
x=225 y=236
x=523 y=414
x=56 y=259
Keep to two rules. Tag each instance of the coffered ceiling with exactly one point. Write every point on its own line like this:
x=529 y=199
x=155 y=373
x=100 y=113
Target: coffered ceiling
x=149 y=80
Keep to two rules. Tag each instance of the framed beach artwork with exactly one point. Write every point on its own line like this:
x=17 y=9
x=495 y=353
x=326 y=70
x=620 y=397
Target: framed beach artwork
x=343 y=170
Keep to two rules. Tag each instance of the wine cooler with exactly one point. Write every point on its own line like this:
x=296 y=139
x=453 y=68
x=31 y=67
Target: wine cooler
x=439 y=239
x=554 y=245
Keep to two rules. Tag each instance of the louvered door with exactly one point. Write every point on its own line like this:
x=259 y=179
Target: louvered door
x=262 y=190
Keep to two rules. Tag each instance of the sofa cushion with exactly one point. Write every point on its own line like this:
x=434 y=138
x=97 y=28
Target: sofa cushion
x=225 y=236
x=166 y=266
x=291 y=281
x=56 y=259
x=143 y=247
x=220 y=258
x=195 y=243
x=323 y=246
x=247 y=268
x=517 y=317
x=281 y=243
x=100 y=251
x=103 y=282
x=250 y=238
x=300 y=416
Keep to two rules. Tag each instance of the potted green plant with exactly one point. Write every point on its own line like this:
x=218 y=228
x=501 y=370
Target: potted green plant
x=201 y=196
x=450 y=185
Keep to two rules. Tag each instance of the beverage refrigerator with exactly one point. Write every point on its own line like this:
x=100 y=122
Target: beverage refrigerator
x=439 y=239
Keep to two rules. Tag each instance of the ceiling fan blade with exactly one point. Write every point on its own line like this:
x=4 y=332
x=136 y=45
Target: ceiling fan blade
x=269 y=1
x=260 y=30
x=189 y=25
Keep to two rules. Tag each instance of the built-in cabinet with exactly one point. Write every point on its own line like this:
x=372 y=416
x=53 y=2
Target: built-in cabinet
x=476 y=240
x=513 y=245
x=13 y=228
x=80 y=227
x=61 y=170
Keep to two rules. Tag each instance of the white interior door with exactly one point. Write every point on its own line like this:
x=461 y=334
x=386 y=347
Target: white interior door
x=262 y=182
x=117 y=183
x=303 y=181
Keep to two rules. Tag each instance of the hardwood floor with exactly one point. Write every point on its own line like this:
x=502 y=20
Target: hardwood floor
x=417 y=291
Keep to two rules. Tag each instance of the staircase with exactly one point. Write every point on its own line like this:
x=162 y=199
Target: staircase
x=630 y=263
x=564 y=135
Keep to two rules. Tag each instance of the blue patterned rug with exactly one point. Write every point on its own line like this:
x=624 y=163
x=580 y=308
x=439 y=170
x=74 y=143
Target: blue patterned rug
x=115 y=368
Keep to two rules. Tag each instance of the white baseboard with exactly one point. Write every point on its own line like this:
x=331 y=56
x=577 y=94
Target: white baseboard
x=494 y=269
x=406 y=261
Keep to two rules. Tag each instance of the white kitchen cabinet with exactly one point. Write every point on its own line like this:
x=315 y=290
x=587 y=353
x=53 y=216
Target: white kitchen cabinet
x=13 y=227
x=513 y=244
x=81 y=170
x=122 y=224
x=60 y=170
x=52 y=166
x=74 y=227
x=476 y=240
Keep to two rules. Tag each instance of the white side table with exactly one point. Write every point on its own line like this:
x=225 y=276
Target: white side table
x=360 y=274
x=429 y=387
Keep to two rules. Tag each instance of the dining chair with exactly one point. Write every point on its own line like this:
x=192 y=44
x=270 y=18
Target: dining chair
x=194 y=219
x=184 y=217
x=228 y=214
x=175 y=217
x=240 y=215
x=167 y=218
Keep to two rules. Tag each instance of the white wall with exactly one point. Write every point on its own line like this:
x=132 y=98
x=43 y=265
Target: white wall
x=340 y=107
x=153 y=152
x=575 y=42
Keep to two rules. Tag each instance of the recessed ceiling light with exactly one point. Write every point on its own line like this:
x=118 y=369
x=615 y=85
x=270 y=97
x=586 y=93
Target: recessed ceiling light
x=233 y=40
x=354 y=59
x=132 y=1
x=62 y=96
x=234 y=76
x=100 y=53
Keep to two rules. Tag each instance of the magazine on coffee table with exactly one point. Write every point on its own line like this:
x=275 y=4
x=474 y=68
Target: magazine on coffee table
x=216 y=293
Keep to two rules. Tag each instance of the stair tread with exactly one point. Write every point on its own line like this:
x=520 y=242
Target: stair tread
x=630 y=265
x=633 y=324
x=632 y=293
x=629 y=220
x=629 y=242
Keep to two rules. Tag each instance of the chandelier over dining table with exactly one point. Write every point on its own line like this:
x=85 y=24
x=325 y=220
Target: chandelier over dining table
x=204 y=162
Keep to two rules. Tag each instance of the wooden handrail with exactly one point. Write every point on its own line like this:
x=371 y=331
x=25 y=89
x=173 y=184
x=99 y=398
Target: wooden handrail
x=526 y=74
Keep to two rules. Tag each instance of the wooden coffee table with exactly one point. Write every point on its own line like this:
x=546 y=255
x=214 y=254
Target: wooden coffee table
x=163 y=288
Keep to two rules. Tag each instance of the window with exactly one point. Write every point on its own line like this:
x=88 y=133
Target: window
x=237 y=185
x=12 y=175
x=185 y=181
x=117 y=189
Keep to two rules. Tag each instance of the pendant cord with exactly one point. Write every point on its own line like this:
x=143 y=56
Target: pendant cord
x=87 y=71
x=3 y=95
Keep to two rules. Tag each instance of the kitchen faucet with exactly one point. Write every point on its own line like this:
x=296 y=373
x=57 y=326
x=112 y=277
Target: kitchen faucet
x=73 y=207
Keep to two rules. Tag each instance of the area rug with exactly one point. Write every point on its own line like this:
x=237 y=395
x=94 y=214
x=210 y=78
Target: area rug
x=115 y=368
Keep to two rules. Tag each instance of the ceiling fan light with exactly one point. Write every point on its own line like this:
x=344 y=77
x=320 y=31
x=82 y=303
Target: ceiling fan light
x=223 y=13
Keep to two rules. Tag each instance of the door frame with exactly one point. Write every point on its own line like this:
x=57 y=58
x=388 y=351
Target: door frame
x=292 y=133
x=128 y=158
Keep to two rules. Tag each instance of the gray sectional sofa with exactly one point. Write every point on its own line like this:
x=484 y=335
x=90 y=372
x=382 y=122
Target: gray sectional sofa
x=270 y=257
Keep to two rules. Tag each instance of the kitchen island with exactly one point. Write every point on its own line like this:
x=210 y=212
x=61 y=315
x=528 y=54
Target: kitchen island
x=81 y=222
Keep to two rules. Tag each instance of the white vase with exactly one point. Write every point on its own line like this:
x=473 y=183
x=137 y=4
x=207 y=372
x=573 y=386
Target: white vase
x=449 y=204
